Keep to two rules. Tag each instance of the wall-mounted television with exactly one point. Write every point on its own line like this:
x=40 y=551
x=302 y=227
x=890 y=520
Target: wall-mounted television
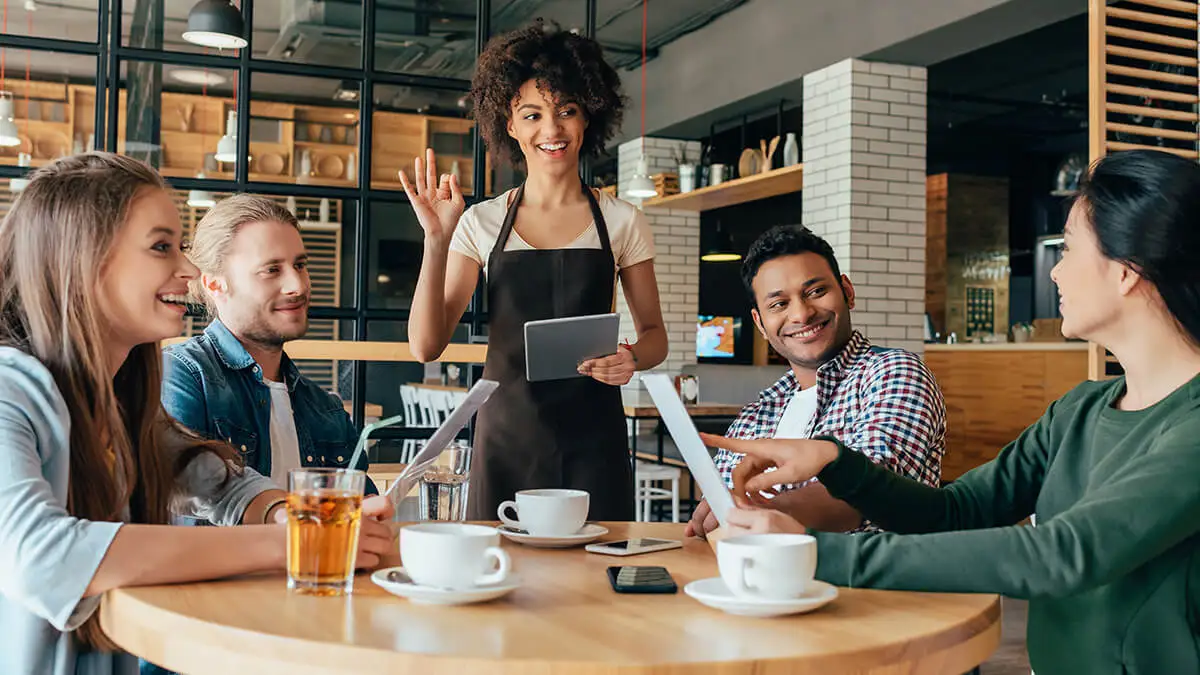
x=717 y=337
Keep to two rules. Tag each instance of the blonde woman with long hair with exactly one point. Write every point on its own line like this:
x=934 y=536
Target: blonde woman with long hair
x=92 y=276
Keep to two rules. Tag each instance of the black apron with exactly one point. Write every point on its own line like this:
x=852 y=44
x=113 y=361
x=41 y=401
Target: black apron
x=556 y=434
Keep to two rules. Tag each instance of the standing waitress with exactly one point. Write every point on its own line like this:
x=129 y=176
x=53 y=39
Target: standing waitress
x=550 y=248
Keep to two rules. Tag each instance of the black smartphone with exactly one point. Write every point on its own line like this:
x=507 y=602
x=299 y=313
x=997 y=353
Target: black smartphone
x=644 y=579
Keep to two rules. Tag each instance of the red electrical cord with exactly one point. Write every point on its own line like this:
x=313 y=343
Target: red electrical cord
x=644 y=14
x=3 y=52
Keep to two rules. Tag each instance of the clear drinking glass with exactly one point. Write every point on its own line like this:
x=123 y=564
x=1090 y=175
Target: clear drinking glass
x=324 y=508
x=442 y=489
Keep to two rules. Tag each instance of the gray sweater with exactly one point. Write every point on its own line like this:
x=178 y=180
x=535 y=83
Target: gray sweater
x=47 y=556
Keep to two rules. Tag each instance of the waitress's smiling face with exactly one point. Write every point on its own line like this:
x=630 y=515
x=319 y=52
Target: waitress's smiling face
x=550 y=133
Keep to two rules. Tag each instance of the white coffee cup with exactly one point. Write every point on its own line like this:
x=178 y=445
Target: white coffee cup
x=768 y=566
x=547 y=513
x=453 y=555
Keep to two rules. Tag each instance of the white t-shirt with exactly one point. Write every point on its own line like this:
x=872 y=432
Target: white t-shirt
x=628 y=231
x=285 y=446
x=798 y=414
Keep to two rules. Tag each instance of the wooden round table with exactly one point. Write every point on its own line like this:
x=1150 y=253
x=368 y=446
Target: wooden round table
x=564 y=618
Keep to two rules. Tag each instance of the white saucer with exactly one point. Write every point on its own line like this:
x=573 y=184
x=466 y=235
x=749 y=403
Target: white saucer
x=714 y=593
x=586 y=534
x=427 y=595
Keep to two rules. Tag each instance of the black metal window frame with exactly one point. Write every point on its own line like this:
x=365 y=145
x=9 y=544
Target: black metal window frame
x=110 y=53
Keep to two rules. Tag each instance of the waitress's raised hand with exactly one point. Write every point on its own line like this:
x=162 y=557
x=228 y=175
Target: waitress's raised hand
x=438 y=203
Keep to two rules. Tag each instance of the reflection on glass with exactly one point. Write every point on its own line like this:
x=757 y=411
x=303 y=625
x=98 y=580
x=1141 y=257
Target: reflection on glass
x=409 y=119
x=304 y=130
x=61 y=20
x=173 y=117
x=310 y=31
x=383 y=379
x=426 y=38
x=53 y=105
x=327 y=228
x=395 y=255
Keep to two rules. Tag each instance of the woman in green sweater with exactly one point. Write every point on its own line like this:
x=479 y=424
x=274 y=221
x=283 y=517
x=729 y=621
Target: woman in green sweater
x=1112 y=569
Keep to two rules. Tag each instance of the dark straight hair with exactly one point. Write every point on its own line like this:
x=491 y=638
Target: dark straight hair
x=1144 y=206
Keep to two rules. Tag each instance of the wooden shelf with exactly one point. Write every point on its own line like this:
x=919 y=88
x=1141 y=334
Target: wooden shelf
x=321 y=145
x=737 y=191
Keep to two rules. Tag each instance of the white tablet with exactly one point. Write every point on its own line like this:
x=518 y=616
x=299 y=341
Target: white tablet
x=687 y=439
x=554 y=348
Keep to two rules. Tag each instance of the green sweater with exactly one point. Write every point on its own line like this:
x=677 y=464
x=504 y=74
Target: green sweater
x=1111 y=570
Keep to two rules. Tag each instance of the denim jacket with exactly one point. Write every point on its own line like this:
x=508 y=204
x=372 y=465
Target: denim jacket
x=213 y=386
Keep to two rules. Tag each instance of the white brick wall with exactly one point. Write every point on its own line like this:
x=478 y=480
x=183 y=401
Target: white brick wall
x=677 y=249
x=864 y=188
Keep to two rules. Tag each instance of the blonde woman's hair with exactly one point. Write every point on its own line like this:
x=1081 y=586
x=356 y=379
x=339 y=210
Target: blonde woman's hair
x=55 y=245
x=215 y=232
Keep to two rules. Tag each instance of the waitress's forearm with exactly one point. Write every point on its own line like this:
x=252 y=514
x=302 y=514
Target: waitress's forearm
x=427 y=334
x=651 y=347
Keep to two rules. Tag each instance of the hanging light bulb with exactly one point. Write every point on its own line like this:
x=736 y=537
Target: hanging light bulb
x=8 y=127
x=18 y=185
x=227 y=146
x=217 y=24
x=641 y=186
x=201 y=199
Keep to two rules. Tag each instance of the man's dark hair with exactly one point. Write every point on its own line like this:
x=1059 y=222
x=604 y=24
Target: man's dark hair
x=784 y=240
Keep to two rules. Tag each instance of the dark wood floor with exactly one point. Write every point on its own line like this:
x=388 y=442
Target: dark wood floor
x=1010 y=657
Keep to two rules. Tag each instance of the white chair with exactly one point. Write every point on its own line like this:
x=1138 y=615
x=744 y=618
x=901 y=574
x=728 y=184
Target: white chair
x=646 y=474
x=414 y=414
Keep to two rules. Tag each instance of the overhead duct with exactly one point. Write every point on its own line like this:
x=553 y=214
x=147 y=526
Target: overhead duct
x=425 y=40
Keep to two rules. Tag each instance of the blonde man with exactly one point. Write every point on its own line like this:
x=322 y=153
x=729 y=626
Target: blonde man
x=234 y=382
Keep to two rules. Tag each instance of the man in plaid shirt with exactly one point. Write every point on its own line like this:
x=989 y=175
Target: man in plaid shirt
x=883 y=403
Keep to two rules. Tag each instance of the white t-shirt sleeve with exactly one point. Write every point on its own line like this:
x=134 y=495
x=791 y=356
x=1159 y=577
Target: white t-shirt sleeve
x=466 y=237
x=638 y=244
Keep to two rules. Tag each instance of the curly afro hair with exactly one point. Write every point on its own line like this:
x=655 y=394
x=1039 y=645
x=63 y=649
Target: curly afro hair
x=569 y=66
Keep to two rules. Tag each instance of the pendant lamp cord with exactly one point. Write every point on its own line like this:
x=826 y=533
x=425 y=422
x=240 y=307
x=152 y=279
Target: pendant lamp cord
x=644 y=15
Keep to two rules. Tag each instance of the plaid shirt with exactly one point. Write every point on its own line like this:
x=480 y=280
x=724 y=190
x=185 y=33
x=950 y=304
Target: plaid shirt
x=883 y=403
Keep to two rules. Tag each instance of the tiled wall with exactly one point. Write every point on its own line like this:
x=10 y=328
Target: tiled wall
x=677 y=247
x=864 y=188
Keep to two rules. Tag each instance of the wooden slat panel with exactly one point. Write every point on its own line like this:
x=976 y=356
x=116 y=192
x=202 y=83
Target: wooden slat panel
x=1147 y=74
x=1152 y=132
x=1159 y=94
x=1152 y=18
x=1174 y=5
x=1151 y=38
x=1152 y=56
x=1096 y=78
x=1118 y=145
x=1160 y=113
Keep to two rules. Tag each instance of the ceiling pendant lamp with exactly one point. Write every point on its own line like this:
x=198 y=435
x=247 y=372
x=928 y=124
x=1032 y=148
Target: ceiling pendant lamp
x=18 y=185
x=641 y=185
x=217 y=24
x=227 y=146
x=9 y=137
x=201 y=199
x=722 y=249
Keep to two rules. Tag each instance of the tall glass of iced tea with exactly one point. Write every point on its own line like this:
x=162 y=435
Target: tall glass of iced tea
x=324 y=508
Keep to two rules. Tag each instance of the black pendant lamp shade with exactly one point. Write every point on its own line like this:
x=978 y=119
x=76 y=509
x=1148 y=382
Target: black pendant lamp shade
x=217 y=24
